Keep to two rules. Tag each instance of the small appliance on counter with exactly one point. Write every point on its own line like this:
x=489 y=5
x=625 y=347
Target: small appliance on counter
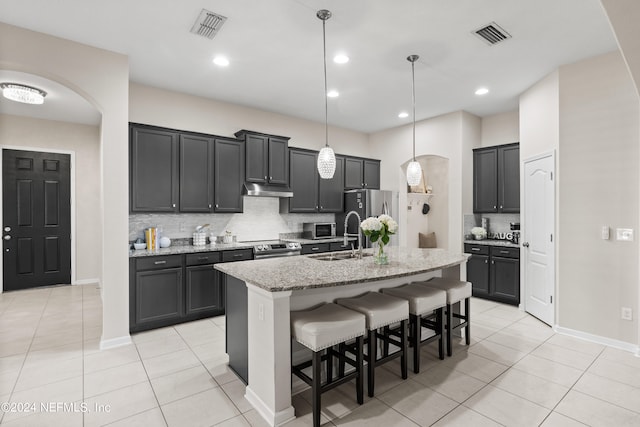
x=515 y=232
x=319 y=230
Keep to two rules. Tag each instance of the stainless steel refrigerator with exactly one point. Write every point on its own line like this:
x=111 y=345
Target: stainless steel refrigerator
x=367 y=203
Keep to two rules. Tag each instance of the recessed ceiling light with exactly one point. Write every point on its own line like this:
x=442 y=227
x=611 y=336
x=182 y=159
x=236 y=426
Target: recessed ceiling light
x=22 y=93
x=341 y=58
x=482 y=91
x=333 y=94
x=403 y=114
x=221 y=61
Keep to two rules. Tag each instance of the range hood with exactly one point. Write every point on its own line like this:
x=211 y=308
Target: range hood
x=265 y=190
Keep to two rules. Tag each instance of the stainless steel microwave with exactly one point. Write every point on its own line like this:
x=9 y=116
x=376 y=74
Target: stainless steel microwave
x=319 y=230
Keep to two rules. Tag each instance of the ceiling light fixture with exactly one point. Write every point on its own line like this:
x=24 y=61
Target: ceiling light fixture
x=221 y=61
x=22 y=93
x=482 y=91
x=333 y=94
x=326 y=158
x=341 y=58
x=414 y=170
x=403 y=115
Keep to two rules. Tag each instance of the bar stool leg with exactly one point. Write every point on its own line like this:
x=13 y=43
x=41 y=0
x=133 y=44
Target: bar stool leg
x=316 y=364
x=360 y=364
x=341 y=363
x=467 y=313
x=405 y=349
x=440 y=327
x=449 y=318
x=329 y=365
x=371 y=360
x=416 y=331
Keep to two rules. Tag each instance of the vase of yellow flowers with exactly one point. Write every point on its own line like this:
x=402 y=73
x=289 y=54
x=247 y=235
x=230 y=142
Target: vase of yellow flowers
x=378 y=230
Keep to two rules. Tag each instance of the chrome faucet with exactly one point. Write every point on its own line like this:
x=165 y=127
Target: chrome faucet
x=359 y=234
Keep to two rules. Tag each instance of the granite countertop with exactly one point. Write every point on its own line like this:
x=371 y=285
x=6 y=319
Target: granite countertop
x=306 y=272
x=490 y=242
x=188 y=249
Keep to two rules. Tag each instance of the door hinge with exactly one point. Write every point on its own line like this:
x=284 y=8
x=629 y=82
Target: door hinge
x=551 y=237
x=551 y=299
x=551 y=174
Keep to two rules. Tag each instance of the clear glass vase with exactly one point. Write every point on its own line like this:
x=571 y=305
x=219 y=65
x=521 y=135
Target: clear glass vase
x=379 y=257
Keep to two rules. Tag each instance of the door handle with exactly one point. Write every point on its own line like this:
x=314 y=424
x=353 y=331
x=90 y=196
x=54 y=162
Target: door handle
x=525 y=244
x=7 y=237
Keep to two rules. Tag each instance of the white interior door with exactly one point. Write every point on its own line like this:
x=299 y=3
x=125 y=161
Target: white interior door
x=538 y=239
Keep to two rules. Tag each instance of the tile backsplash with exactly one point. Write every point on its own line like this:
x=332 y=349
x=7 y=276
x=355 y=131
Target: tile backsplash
x=498 y=223
x=261 y=220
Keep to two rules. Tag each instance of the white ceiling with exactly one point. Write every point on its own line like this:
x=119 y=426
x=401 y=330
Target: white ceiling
x=275 y=49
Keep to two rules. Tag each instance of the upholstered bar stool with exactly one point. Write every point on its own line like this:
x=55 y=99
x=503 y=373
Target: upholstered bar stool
x=457 y=291
x=381 y=310
x=320 y=329
x=426 y=307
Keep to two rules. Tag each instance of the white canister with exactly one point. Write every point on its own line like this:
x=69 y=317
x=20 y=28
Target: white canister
x=199 y=239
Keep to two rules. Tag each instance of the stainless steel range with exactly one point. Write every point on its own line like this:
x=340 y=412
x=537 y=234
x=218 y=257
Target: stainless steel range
x=275 y=249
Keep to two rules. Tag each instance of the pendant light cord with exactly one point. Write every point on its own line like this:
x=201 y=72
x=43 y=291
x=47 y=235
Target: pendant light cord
x=413 y=79
x=326 y=101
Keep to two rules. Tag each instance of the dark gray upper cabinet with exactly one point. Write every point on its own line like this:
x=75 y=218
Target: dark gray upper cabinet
x=154 y=170
x=303 y=181
x=266 y=157
x=228 y=175
x=496 y=179
x=331 y=191
x=361 y=173
x=509 y=179
x=196 y=174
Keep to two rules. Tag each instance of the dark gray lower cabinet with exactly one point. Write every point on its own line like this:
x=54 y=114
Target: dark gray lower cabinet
x=494 y=272
x=170 y=289
x=237 y=326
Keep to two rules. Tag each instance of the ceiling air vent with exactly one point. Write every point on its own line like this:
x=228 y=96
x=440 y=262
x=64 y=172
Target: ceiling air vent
x=208 y=24
x=492 y=33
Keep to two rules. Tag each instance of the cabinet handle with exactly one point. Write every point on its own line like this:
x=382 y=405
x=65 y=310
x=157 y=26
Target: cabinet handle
x=494 y=206
x=475 y=249
x=237 y=255
x=315 y=249
x=362 y=184
x=216 y=206
x=486 y=261
x=493 y=262
x=265 y=177
x=500 y=206
x=270 y=178
x=173 y=205
x=504 y=252
x=209 y=205
x=160 y=262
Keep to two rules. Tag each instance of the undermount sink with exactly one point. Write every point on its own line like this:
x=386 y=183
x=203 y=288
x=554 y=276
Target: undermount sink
x=337 y=256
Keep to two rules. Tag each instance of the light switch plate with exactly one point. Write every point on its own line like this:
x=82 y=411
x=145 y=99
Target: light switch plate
x=624 y=234
x=605 y=232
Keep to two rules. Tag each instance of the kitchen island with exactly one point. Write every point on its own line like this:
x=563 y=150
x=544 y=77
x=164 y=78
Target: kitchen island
x=275 y=287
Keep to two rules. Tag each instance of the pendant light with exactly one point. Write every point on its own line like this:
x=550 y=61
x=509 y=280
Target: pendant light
x=414 y=171
x=326 y=158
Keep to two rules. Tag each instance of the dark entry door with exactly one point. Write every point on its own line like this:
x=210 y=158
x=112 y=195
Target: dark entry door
x=36 y=227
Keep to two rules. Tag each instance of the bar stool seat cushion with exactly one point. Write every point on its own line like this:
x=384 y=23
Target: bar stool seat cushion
x=422 y=299
x=325 y=326
x=457 y=290
x=379 y=309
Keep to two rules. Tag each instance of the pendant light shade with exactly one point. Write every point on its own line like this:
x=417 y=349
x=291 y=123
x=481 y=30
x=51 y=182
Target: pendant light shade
x=414 y=173
x=326 y=157
x=414 y=170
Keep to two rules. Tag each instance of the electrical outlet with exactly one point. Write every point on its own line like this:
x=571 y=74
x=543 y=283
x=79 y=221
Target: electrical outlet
x=626 y=313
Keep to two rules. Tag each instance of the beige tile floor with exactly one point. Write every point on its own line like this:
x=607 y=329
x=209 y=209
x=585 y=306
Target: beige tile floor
x=517 y=372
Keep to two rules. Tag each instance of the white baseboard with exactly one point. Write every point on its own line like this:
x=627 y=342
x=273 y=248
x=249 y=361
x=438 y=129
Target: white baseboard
x=622 y=345
x=273 y=419
x=115 y=342
x=87 y=282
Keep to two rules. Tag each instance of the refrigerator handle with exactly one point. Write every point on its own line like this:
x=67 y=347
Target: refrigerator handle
x=385 y=208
